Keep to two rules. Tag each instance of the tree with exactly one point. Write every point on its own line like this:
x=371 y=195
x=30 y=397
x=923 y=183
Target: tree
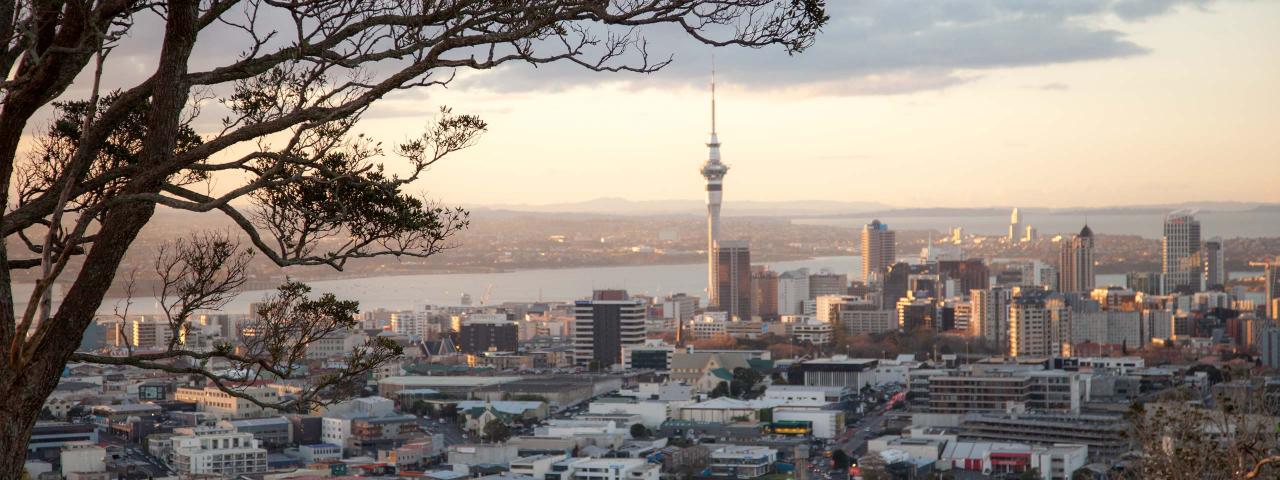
x=1179 y=440
x=496 y=431
x=839 y=460
x=639 y=431
x=721 y=390
x=873 y=467
x=743 y=381
x=271 y=124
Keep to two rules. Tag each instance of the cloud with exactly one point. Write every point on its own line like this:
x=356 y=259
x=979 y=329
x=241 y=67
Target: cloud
x=877 y=47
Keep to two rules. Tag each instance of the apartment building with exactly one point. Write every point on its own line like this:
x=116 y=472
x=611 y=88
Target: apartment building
x=212 y=451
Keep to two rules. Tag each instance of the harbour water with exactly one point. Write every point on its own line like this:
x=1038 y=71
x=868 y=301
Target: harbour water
x=413 y=291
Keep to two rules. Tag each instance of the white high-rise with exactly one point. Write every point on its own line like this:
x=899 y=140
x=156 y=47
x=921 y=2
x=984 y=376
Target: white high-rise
x=1015 y=226
x=793 y=290
x=714 y=172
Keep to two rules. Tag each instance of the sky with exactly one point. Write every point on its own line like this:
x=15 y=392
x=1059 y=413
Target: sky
x=910 y=103
x=903 y=102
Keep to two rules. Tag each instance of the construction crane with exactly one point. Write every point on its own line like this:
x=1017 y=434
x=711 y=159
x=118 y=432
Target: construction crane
x=484 y=299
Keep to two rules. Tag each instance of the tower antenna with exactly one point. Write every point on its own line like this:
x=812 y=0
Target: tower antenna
x=713 y=93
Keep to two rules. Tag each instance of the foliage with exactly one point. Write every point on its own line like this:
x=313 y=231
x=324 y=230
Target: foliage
x=1178 y=440
x=262 y=137
x=721 y=390
x=496 y=432
x=639 y=431
x=874 y=467
x=743 y=382
x=839 y=460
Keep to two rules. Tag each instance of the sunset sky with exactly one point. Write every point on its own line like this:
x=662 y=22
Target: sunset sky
x=904 y=102
x=912 y=103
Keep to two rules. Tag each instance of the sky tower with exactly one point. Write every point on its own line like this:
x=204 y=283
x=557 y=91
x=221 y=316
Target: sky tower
x=714 y=172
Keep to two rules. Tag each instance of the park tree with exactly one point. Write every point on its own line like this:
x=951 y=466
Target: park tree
x=245 y=109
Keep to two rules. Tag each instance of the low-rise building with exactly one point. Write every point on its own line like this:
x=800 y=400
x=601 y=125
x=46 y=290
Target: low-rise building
x=739 y=461
x=320 y=453
x=218 y=452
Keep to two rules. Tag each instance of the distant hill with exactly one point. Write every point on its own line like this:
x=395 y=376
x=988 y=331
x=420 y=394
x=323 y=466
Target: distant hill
x=620 y=206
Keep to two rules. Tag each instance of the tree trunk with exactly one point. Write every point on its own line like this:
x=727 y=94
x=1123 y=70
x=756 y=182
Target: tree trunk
x=22 y=396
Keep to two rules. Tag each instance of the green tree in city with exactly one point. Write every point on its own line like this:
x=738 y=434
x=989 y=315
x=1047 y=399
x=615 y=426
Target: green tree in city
x=639 y=431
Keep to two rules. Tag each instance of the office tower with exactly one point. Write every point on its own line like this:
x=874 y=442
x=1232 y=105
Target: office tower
x=1075 y=263
x=1215 y=274
x=679 y=306
x=151 y=333
x=878 y=250
x=764 y=293
x=793 y=290
x=827 y=283
x=412 y=324
x=1180 y=248
x=829 y=307
x=1269 y=347
x=1039 y=325
x=1031 y=234
x=1015 y=226
x=1272 y=278
x=918 y=313
x=990 y=315
x=479 y=335
x=603 y=325
x=713 y=171
x=895 y=284
x=972 y=274
x=733 y=278
x=221 y=324
x=1145 y=282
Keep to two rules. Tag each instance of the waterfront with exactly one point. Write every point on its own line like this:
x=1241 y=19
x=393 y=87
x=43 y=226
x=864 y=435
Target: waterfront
x=413 y=291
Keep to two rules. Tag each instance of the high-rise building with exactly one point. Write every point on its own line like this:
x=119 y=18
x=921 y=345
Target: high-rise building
x=918 y=313
x=1180 y=252
x=603 y=325
x=733 y=278
x=1145 y=282
x=827 y=283
x=1215 y=274
x=897 y=280
x=793 y=290
x=1269 y=347
x=971 y=274
x=1075 y=263
x=1039 y=325
x=1015 y=226
x=989 y=315
x=764 y=292
x=878 y=250
x=1272 y=278
x=479 y=335
x=713 y=171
